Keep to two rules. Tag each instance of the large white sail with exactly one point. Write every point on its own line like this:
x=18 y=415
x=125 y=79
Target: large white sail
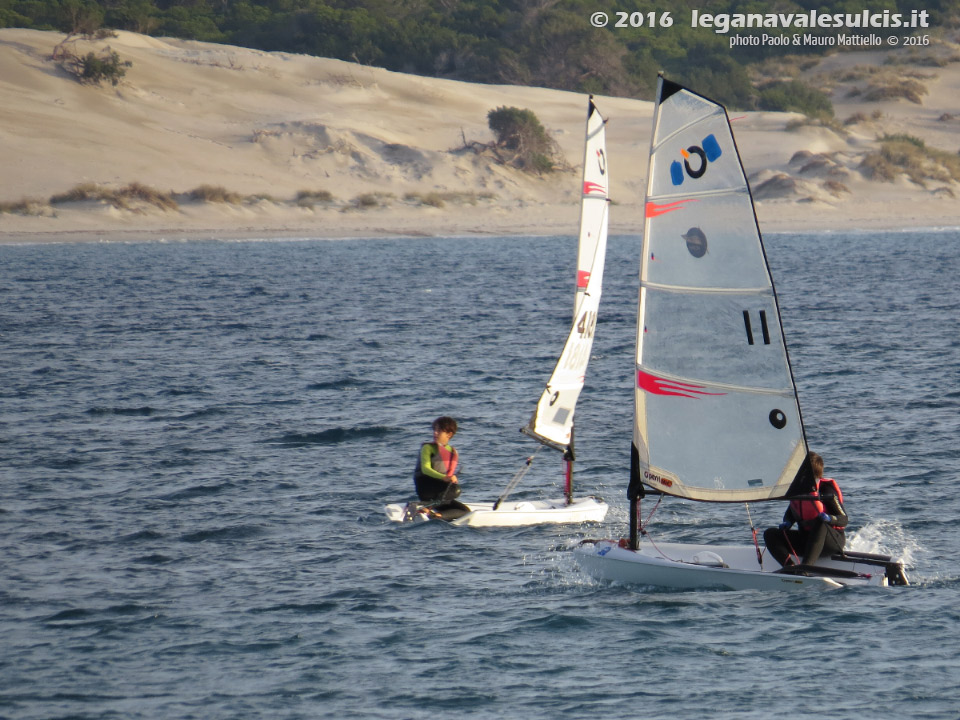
x=716 y=410
x=552 y=421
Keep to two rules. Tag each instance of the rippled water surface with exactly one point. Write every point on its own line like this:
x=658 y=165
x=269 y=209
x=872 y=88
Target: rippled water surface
x=196 y=441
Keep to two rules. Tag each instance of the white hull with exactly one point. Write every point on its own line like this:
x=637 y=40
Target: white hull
x=519 y=513
x=688 y=566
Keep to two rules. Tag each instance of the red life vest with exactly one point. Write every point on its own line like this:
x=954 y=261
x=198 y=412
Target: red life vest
x=836 y=488
x=806 y=511
x=443 y=461
x=448 y=460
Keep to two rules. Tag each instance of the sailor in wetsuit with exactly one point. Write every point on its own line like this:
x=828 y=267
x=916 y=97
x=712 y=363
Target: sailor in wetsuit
x=820 y=521
x=435 y=474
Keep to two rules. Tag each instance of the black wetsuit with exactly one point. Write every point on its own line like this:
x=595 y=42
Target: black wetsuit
x=814 y=537
x=437 y=493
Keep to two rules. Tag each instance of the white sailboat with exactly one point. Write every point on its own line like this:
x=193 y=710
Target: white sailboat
x=716 y=412
x=552 y=421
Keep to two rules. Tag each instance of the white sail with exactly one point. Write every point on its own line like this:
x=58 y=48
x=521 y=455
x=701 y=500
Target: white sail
x=716 y=411
x=592 y=246
x=552 y=422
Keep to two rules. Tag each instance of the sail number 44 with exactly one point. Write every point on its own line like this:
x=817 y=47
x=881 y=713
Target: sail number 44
x=587 y=324
x=580 y=352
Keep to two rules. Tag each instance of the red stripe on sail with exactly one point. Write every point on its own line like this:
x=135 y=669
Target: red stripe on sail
x=653 y=210
x=672 y=388
x=592 y=188
x=583 y=276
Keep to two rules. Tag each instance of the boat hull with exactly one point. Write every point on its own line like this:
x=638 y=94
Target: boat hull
x=517 y=513
x=730 y=567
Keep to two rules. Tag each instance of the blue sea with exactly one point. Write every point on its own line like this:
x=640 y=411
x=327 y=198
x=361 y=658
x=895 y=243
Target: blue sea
x=197 y=440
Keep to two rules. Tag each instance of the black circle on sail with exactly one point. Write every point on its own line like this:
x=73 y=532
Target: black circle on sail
x=778 y=419
x=698 y=151
x=696 y=242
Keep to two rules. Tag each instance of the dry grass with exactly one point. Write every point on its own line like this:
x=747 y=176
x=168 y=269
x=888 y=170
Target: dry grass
x=431 y=199
x=835 y=187
x=215 y=194
x=440 y=199
x=309 y=198
x=923 y=59
x=121 y=198
x=891 y=88
x=857 y=73
x=135 y=196
x=149 y=195
x=861 y=117
x=260 y=135
x=25 y=206
x=367 y=201
x=828 y=123
x=877 y=167
x=261 y=197
x=907 y=155
x=785 y=67
x=79 y=193
x=856 y=119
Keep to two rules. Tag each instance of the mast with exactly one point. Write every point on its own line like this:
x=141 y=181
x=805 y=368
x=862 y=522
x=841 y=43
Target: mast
x=635 y=490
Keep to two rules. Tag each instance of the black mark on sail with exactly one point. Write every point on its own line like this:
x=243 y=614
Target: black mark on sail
x=698 y=151
x=778 y=419
x=696 y=242
x=764 y=329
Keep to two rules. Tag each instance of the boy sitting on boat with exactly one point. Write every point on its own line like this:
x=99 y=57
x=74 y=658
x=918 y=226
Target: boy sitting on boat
x=435 y=475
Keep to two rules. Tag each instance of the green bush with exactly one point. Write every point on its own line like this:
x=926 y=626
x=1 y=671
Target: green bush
x=105 y=67
x=521 y=133
x=795 y=96
x=516 y=128
x=91 y=68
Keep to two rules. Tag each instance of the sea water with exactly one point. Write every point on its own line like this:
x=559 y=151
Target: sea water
x=197 y=439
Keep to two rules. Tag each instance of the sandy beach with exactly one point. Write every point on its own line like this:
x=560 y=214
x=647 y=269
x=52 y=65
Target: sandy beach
x=375 y=153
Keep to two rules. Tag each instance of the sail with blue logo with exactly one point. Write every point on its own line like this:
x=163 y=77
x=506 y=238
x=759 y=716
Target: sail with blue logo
x=716 y=410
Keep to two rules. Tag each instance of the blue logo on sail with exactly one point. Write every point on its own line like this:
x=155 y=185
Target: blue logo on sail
x=705 y=153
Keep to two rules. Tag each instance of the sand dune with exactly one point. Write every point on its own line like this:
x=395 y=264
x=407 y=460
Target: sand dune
x=393 y=151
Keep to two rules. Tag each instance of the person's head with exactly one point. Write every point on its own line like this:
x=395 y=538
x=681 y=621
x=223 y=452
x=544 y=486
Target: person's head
x=816 y=464
x=445 y=424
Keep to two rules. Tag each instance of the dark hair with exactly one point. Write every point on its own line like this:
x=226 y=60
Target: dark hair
x=816 y=464
x=445 y=424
